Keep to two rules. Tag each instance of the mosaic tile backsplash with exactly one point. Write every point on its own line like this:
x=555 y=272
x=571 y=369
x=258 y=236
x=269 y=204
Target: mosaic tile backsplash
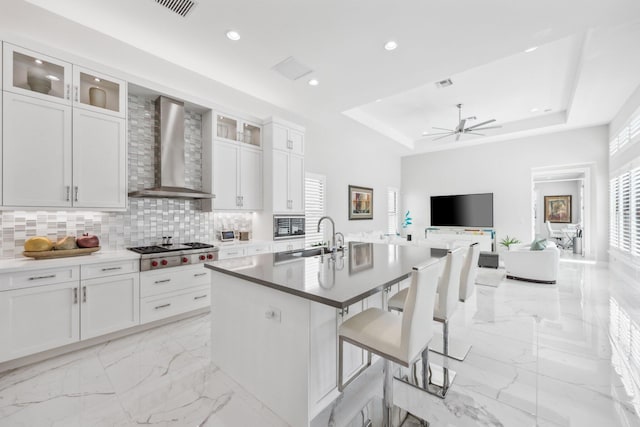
x=146 y=220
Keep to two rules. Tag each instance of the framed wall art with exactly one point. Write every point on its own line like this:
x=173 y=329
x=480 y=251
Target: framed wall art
x=360 y=202
x=557 y=209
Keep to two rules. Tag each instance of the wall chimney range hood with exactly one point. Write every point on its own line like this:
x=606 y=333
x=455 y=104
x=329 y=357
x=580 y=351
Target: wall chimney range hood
x=170 y=172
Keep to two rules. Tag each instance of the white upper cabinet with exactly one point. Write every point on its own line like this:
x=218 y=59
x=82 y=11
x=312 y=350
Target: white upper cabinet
x=98 y=92
x=36 y=160
x=99 y=160
x=237 y=177
x=36 y=75
x=64 y=134
x=287 y=139
x=284 y=145
x=229 y=128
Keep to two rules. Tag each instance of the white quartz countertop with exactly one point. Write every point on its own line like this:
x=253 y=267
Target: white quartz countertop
x=360 y=271
x=25 y=264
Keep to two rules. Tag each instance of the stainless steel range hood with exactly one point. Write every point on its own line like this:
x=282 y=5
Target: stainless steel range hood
x=170 y=173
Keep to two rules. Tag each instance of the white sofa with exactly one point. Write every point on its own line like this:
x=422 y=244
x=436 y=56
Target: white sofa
x=522 y=263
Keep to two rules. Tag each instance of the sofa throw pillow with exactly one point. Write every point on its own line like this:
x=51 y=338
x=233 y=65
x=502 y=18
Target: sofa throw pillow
x=539 y=245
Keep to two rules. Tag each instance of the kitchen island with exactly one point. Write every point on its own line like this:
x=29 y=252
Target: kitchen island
x=275 y=319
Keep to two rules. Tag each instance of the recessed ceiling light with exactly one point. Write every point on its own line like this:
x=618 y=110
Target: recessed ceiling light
x=531 y=49
x=390 y=45
x=314 y=82
x=534 y=110
x=38 y=61
x=233 y=35
x=425 y=133
x=96 y=80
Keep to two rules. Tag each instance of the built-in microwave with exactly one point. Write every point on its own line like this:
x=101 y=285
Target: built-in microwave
x=288 y=227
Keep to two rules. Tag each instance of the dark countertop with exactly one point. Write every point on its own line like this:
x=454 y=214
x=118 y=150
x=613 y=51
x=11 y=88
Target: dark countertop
x=360 y=271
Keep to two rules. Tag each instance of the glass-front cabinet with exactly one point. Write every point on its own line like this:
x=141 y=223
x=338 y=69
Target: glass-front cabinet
x=98 y=92
x=33 y=74
x=229 y=128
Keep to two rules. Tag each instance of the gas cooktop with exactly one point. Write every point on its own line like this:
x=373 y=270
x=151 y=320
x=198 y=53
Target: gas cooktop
x=158 y=249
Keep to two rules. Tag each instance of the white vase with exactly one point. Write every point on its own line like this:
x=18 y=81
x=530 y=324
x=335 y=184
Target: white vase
x=38 y=81
x=97 y=97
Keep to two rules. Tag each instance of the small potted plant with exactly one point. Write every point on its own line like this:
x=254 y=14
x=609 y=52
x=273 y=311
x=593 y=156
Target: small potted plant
x=508 y=241
x=406 y=223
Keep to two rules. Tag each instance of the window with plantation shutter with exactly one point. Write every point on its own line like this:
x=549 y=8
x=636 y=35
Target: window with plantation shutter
x=613 y=146
x=613 y=213
x=392 y=211
x=314 y=208
x=625 y=217
x=635 y=212
x=634 y=129
x=623 y=137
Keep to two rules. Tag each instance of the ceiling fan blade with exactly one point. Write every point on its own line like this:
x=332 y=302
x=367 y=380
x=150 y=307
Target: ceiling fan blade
x=489 y=127
x=443 y=136
x=481 y=124
x=449 y=130
x=473 y=133
x=458 y=136
x=441 y=133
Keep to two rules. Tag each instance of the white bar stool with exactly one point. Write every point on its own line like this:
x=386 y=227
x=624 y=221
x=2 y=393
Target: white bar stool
x=399 y=339
x=446 y=303
x=457 y=349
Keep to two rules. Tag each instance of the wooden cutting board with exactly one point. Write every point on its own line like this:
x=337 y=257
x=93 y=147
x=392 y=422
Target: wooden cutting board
x=60 y=253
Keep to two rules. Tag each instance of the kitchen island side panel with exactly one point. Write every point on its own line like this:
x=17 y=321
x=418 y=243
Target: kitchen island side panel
x=260 y=338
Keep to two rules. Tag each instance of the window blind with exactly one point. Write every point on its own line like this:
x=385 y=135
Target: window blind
x=625 y=217
x=392 y=211
x=613 y=213
x=635 y=209
x=314 y=208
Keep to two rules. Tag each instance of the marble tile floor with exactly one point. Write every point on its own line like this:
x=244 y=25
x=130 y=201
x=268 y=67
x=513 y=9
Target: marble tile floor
x=549 y=356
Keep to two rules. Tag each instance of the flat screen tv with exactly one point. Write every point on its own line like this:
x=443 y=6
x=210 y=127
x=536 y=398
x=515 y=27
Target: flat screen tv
x=463 y=210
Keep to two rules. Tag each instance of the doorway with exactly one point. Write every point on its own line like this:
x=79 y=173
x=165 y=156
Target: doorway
x=573 y=181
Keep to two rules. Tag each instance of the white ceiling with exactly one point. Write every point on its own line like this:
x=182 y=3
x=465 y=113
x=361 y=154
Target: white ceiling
x=586 y=66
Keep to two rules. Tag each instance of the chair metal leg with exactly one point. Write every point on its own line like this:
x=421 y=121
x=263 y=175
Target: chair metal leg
x=454 y=349
x=425 y=368
x=387 y=394
x=342 y=386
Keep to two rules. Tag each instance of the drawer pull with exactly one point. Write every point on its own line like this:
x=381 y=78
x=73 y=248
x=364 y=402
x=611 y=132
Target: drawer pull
x=232 y=253
x=50 y=276
x=200 y=297
x=162 y=281
x=199 y=274
x=111 y=268
x=162 y=306
x=75 y=295
x=84 y=294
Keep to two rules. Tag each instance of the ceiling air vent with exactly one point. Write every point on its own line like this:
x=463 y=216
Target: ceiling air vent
x=292 y=69
x=181 y=7
x=444 y=83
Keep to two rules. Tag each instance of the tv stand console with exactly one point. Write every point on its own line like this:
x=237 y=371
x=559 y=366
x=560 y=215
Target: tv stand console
x=486 y=237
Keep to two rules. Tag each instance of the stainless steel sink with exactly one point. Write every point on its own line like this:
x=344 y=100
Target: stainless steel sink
x=306 y=253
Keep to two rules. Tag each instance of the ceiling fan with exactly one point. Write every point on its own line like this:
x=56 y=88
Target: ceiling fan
x=461 y=129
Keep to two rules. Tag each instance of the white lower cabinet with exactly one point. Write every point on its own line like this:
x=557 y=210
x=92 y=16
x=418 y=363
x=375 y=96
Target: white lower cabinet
x=290 y=245
x=44 y=309
x=109 y=304
x=173 y=291
x=38 y=318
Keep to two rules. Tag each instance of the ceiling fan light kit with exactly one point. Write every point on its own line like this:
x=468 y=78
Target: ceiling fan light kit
x=462 y=129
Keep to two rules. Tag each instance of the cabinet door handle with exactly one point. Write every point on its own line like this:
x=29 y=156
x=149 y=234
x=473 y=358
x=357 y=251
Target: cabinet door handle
x=84 y=294
x=199 y=274
x=76 y=193
x=200 y=297
x=158 y=307
x=111 y=268
x=49 y=276
x=162 y=281
x=68 y=96
x=289 y=144
x=68 y=187
x=75 y=295
x=75 y=93
x=232 y=253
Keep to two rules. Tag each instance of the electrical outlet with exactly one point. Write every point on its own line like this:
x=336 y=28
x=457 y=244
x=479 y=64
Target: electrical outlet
x=273 y=313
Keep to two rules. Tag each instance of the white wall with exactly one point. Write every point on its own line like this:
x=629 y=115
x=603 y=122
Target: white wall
x=504 y=168
x=343 y=150
x=557 y=188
